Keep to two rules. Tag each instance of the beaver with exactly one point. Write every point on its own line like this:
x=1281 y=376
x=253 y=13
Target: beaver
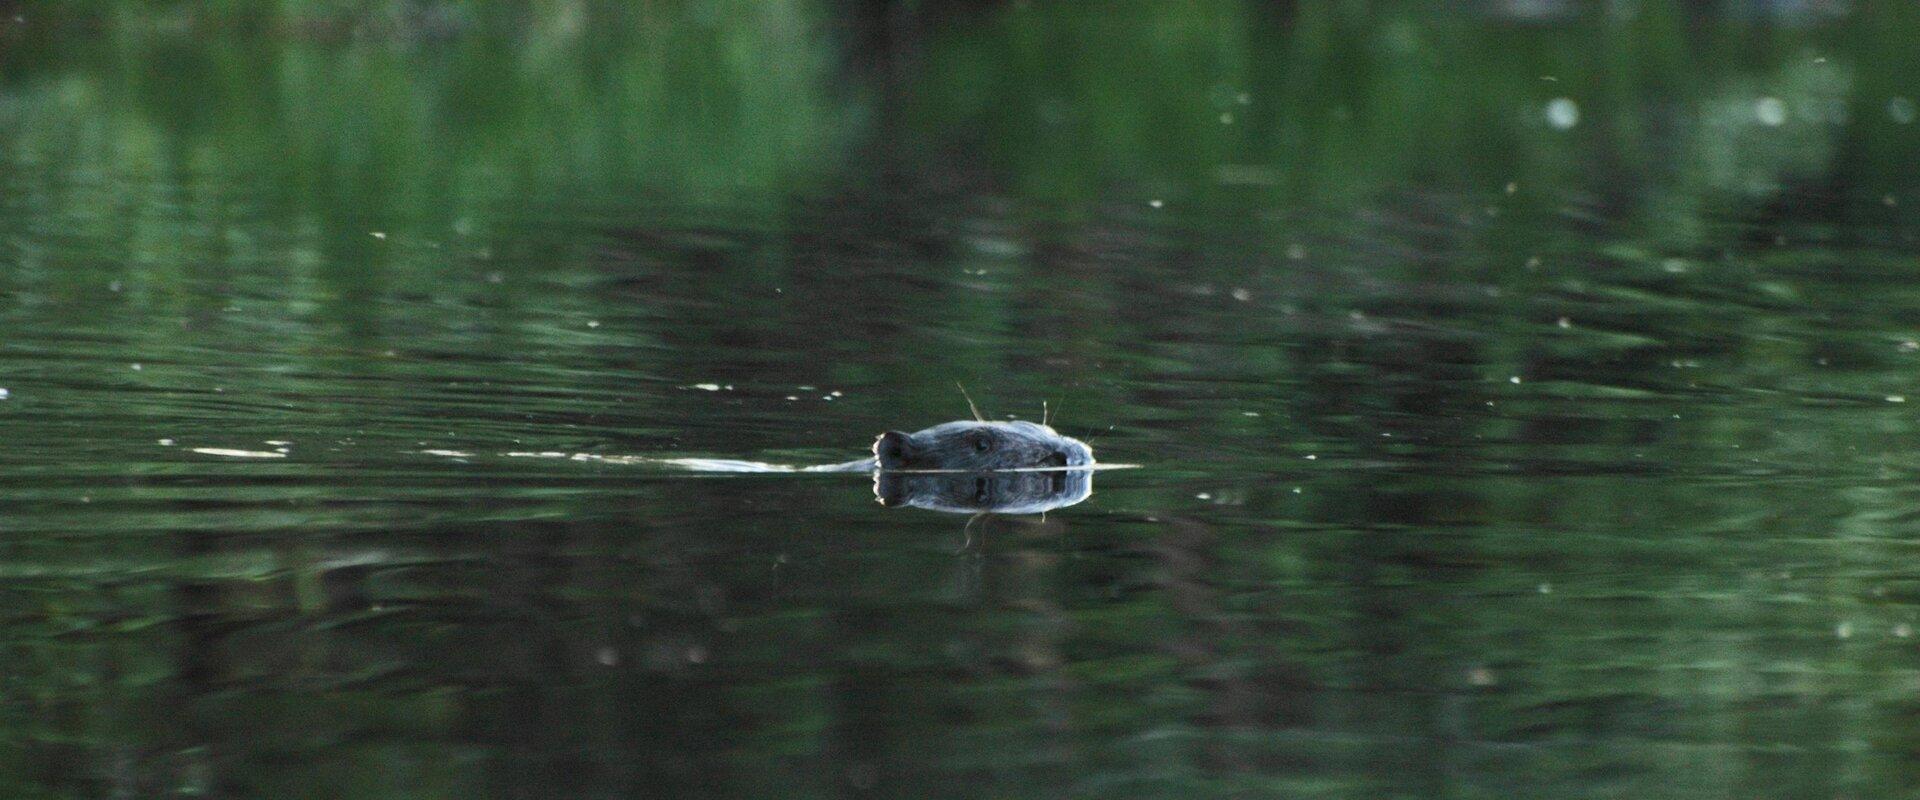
x=968 y=446
x=976 y=446
x=962 y=446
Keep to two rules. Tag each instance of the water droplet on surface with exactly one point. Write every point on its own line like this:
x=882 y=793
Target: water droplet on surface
x=1771 y=111
x=1562 y=113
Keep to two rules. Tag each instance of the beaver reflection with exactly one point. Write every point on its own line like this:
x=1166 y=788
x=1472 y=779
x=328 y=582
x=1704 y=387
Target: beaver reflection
x=982 y=492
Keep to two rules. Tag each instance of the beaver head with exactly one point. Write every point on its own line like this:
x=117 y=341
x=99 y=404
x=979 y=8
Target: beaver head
x=979 y=492
x=980 y=447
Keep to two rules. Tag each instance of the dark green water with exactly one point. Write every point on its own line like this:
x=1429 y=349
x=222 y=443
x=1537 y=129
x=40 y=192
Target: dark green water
x=1527 y=406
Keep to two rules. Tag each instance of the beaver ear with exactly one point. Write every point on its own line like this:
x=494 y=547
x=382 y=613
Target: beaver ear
x=891 y=448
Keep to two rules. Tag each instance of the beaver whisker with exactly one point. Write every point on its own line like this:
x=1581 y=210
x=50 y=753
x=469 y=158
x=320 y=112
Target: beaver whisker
x=970 y=403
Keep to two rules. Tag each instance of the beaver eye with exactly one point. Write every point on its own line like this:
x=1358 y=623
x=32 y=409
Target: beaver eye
x=983 y=443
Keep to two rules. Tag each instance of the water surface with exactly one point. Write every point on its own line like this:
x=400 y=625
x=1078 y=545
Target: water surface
x=1525 y=405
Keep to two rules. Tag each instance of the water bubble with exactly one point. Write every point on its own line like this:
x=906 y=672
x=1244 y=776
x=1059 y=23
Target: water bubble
x=1156 y=203
x=1771 y=111
x=1562 y=113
